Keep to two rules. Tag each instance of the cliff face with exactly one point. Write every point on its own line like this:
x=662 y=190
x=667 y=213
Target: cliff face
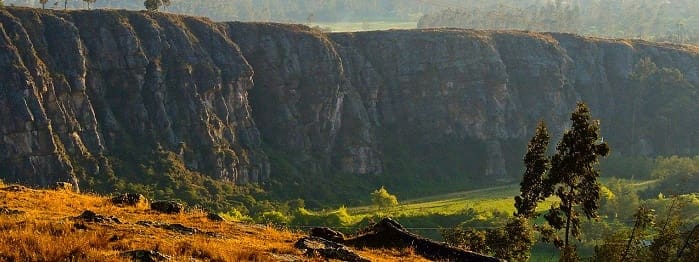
x=81 y=90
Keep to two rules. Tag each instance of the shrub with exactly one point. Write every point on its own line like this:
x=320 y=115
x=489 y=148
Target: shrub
x=381 y=198
x=274 y=217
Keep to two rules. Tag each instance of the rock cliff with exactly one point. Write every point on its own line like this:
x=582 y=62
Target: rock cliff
x=82 y=90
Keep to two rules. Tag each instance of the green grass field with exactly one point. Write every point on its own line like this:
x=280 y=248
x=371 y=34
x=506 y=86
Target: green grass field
x=363 y=26
x=500 y=199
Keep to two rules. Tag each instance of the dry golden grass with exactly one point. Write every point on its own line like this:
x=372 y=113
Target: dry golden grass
x=47 y=231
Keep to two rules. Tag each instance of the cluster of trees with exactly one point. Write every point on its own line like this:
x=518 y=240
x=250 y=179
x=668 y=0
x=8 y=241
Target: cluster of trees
x=663 y=111
x=571 y=175
x=619 y=227
x=659 y=230
x=151 y=5
x=675 y=21
x=297 y=11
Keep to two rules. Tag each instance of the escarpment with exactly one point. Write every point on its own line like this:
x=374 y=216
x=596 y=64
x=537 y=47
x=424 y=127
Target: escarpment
x=82 y=90
x=85 y=91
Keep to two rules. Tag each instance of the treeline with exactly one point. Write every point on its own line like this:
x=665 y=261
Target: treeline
x=297 y=11
x=675 y=21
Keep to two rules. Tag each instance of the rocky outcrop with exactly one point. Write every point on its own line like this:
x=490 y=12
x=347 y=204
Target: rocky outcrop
x=304 y=102
x=315 y=246
x=167 y=207
x=82 y=90
x=389 y=234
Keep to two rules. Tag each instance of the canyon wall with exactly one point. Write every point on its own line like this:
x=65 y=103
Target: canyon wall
x=83 y=90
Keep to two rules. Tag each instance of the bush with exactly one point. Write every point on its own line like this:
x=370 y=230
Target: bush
x=237 y=216
x=338 y=218
x=381 y=198
x=274 y=217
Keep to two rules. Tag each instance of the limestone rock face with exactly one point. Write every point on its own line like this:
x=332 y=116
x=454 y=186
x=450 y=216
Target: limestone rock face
x=83 y=90
x=79 y=88
x=303 y=100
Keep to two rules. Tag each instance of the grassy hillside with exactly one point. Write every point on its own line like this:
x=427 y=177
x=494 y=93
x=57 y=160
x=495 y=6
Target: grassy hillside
x=46 y=230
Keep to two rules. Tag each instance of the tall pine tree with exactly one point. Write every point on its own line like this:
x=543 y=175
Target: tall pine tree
x=573 y=177
x=537 y=164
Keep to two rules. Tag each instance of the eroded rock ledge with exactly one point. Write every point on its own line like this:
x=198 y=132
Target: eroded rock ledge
x=83 y=89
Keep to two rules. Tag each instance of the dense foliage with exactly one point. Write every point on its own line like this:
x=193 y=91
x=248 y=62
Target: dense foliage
x=382 y=199
x=153 y=5
x=675 y=21
x=298 y=11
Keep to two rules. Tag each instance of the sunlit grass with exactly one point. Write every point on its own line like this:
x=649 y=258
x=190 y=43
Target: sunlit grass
x=487 y=200
x=47 y=231
x=363 y=26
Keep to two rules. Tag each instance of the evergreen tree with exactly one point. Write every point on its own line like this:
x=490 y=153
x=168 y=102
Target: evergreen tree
x=88 y=3
x=537 y=164
x=573 y=178
x=154 y=5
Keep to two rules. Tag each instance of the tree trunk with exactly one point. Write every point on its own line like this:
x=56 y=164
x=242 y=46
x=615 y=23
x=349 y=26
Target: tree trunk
x=569 y=213
x=628 y=244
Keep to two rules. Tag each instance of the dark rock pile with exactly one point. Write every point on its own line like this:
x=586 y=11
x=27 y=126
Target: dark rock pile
x=145 y=255
x=316 y=246
x=179 y=228
x=63 y=186
x=386 y=234
x=89 y=216
x=215 y=217
x=167 y=207
x=7 y=211
x=129 y=199
x=14 y=188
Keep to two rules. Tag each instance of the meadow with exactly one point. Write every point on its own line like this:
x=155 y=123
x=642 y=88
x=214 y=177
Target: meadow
x=363 y=26
x=44 y=225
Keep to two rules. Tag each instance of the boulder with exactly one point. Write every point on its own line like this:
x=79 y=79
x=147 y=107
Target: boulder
x=316 y=246
x=63 y=186
x=167 y=207
x=390 y=234
x=179 y=228
x=145 y=255
x=89 y=216
x=129 y=199
x=15 y=188
x=215 y=217
x=327 y=233
x=7 y=211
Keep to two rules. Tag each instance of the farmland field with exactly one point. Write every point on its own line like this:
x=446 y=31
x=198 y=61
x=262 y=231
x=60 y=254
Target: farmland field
x=363 y=26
